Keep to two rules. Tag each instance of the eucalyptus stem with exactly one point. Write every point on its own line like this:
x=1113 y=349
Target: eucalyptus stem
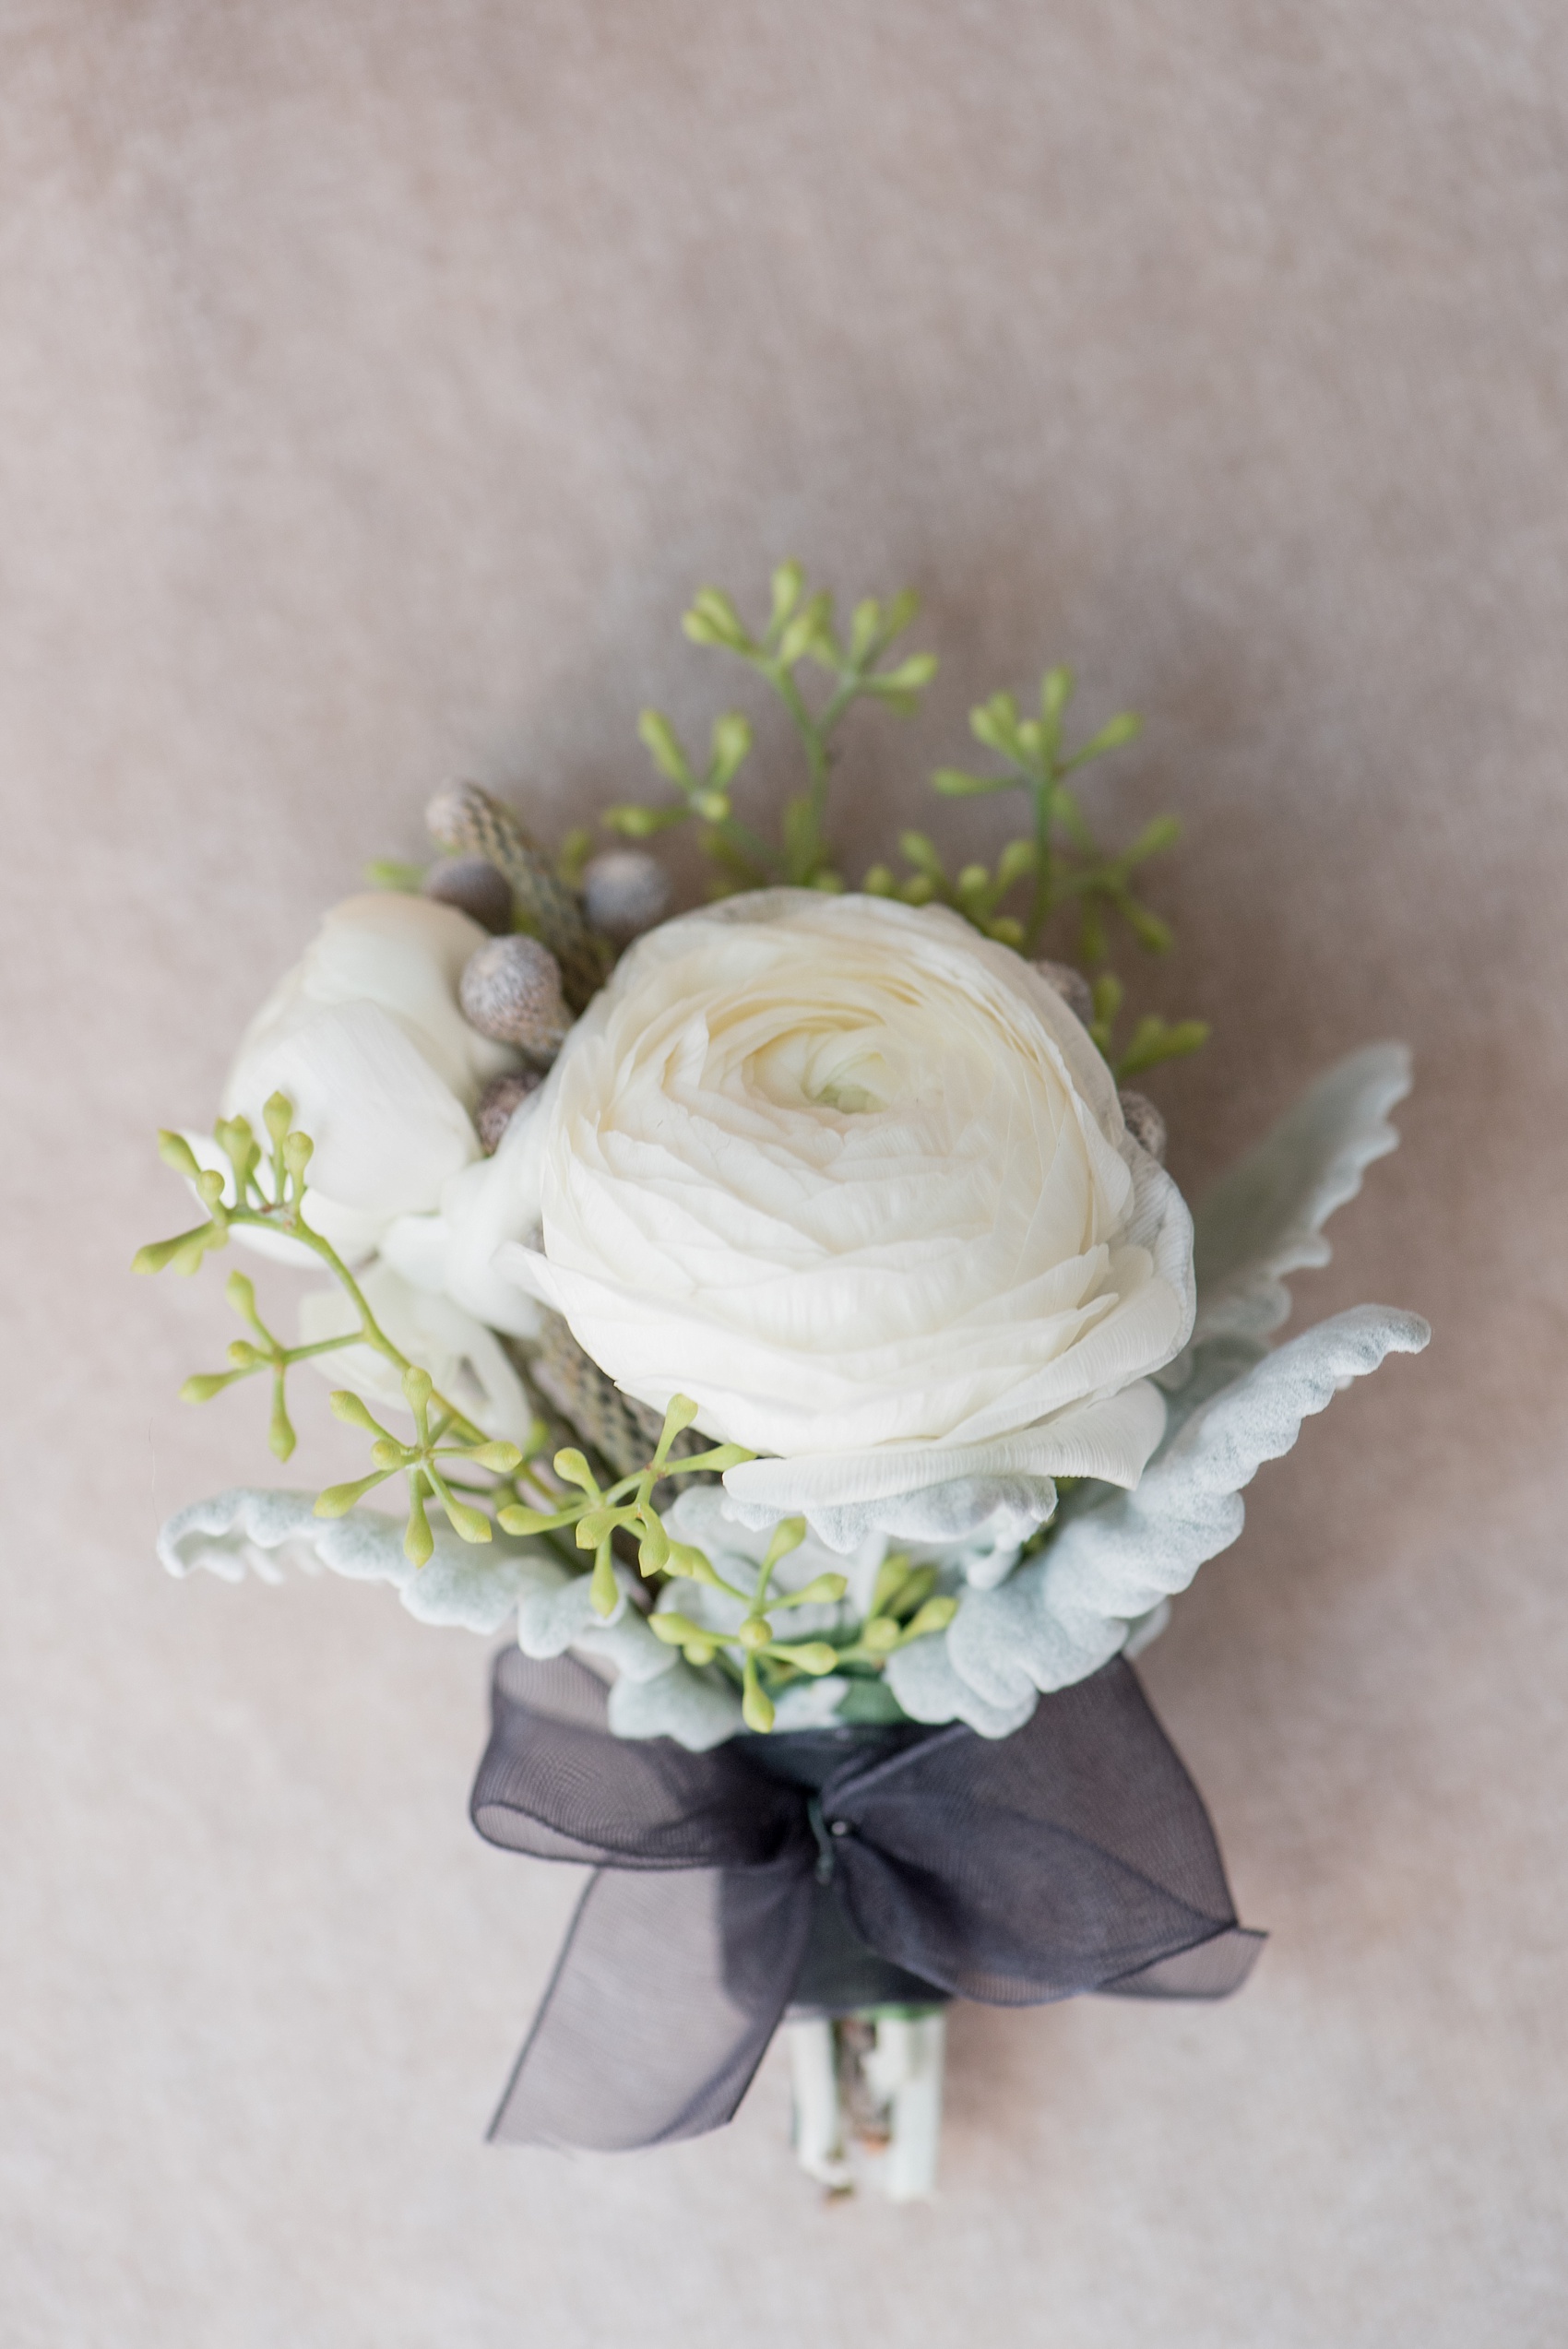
x=370 y=1332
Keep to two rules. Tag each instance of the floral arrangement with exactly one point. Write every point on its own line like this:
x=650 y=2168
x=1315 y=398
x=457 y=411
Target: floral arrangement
x=782 y=1312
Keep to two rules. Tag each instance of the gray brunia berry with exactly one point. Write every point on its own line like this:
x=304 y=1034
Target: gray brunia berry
x=511 y=990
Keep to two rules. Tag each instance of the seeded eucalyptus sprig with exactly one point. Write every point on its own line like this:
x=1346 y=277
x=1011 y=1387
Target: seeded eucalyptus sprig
x=799 y=631
x=1060 y=859
x=1152 y=1040
x=1057 y=867
x=268 y=1191
x=902 y=1609
x=1060 y=856
x=625 y=1506
x=418 y=1460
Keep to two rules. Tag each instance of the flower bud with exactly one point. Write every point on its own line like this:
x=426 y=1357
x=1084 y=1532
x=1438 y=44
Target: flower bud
x=419 y=1542
x=756 y=1709
x=815 y=1656
x=473 y=1524
x=573 y=1469
x=502 y=1459
x=604 y=1591
x=653 y=1550
x=280 y=1436
x=353 y=1411
x=674 y=1629
x=935 y=1616
x=176 y=1151
x=338 y=1500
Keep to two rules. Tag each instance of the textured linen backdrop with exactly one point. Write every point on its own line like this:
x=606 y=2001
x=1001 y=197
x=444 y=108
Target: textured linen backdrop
x=376 y=382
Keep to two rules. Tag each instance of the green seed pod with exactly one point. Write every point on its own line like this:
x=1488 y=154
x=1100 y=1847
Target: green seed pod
x=674 y=1629
x=756 y=1709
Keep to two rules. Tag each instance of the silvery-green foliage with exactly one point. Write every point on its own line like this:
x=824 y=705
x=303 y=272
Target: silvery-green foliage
x=655 y=1694
x=697 y=1709
x=989 y=1506
x=1064 y=1613
x=555 y=1611
x=252 y=1529
x=929 y=1686
x=1265 y=1217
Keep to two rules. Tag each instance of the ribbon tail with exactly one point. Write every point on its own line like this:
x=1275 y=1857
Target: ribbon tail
x=665 y=1996
x=1209 y=1969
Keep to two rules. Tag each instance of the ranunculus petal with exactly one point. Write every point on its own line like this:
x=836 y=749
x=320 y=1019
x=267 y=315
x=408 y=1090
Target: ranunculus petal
x=937 y=1492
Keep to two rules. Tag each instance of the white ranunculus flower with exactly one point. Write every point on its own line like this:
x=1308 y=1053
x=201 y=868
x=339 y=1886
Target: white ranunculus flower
x=856 y=1180
x=365 y=1038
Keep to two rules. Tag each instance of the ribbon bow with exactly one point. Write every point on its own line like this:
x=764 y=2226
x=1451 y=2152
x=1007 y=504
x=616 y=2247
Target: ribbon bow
x=833 y=1869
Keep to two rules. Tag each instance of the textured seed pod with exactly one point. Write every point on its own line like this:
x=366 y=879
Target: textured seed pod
x=1071 y=985
x=511 y=990
x=625 y=891
x=466 y=820
x=501 y=1097
x=1145 y=1123
x=623 y=1432
x=475 y=886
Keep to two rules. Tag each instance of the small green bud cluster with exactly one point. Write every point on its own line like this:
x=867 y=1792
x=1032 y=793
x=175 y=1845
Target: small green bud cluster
x=418 y=1460
x=596 y=1514
x=244 y=1198
x=268 y=1190
x=905 y=1607
x=753 y=1637
x=1059 y=865
x=799 y=630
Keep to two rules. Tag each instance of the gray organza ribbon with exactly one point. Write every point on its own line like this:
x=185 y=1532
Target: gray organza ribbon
x=832 y=1869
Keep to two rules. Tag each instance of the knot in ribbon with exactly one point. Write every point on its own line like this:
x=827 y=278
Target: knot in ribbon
x=833 y=1869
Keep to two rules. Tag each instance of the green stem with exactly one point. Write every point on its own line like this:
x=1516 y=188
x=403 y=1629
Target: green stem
x=741 y=836
x=370 y=1332
x=1042 y=787
x=292 y=1354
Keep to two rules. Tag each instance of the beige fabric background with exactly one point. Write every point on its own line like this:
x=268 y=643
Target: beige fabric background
x=374 y=383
